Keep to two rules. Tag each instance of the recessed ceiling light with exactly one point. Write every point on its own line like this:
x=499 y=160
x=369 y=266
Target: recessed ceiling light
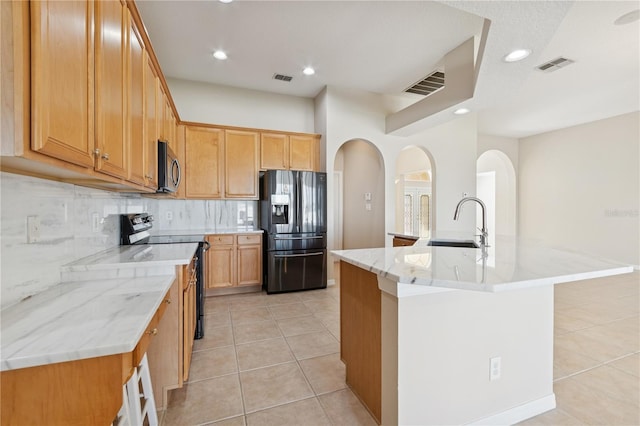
x=628 y=18
x=517 y=55
x=462 y=111
x=219 y=54
x=308 y=71
x=225 y=1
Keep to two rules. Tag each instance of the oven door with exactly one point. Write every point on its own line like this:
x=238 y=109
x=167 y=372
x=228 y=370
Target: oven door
x=294 y=270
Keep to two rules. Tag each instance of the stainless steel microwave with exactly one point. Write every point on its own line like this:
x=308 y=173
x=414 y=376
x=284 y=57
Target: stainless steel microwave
x=169 y=172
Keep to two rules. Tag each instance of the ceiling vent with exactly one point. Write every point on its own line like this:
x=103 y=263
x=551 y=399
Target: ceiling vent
x=428 y=85
x=282 y=77
x=554 y=65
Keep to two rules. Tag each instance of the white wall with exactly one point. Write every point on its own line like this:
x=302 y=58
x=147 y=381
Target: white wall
x=353 y=114
x=230 y=106
x=579 y=188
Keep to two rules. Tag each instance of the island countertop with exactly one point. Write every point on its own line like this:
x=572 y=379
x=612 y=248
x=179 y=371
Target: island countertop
x=508 y=265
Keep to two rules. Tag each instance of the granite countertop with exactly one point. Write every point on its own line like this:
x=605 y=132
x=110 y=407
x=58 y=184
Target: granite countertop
x=510 y=264
x=77 y=320
x=88 y=315
x=208 y=231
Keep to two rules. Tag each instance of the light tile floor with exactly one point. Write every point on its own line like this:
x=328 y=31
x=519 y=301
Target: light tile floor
x=274 y=360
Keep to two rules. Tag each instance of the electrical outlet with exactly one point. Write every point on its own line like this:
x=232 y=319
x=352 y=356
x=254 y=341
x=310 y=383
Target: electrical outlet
x=169 y=215
x=367 y=207
x=33 y=229
x=495 y=367
x=95 y=222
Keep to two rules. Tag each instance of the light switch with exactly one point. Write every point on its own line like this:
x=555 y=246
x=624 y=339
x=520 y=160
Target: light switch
x=367 y=196
x=367 y=207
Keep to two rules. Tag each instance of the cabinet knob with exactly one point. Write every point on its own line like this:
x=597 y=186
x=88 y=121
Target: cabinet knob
x=153 y=332
x=96 y=152
x=105 y=156
x=167 y=301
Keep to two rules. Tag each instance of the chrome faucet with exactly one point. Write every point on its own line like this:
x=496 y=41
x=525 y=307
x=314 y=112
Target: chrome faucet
x=484 y=237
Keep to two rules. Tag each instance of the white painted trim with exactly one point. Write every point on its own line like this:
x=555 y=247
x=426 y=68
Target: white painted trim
x=521 y=412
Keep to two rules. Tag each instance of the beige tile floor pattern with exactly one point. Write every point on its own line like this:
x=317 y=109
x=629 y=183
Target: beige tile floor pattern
x=274 y=360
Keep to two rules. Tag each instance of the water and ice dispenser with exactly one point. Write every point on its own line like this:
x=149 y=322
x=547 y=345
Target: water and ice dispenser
x=280 y=208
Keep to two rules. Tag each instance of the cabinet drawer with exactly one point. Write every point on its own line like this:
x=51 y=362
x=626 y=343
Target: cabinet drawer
x=220 y=240
x=249 y=239
x=150 y=331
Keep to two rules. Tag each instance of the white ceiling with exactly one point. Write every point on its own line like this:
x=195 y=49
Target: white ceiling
x=386 y=46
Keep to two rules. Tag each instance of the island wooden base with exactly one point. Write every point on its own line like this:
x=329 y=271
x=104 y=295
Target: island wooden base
x=360 y=342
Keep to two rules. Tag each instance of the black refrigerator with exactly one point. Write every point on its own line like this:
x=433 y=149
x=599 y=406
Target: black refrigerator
x=293 y=216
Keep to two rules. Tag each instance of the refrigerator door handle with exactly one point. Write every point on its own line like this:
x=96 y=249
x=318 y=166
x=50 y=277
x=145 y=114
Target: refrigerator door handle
x=279 y=256
x=299 y=238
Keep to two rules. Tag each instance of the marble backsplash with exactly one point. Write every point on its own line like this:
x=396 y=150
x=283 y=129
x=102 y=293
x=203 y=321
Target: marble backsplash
x=76 y=222
x=205 y=215
x=73 y=222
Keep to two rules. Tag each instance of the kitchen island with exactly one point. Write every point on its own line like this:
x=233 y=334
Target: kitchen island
x=451 y=335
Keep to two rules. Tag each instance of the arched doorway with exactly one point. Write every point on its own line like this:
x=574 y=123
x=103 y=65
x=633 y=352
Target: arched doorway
x=496 y=186
x=359 y=196
x=414 y=192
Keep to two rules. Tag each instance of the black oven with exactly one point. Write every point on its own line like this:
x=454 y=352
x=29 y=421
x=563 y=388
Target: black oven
x=134 y=229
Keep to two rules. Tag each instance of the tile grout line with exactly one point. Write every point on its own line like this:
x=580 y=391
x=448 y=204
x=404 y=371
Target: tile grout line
x=235 y=351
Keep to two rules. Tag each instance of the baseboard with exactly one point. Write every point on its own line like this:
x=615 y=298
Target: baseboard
x=521 y=412
x=331 y=282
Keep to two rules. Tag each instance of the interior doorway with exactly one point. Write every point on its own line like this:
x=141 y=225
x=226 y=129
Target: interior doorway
x=414 y=193
x=496 y=186
x=359 y=196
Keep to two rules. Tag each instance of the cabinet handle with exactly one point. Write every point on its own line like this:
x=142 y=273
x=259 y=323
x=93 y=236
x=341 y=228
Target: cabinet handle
x=167 y=301
x=153 y=332
x=105 y=156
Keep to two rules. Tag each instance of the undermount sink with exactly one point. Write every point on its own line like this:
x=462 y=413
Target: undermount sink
x=454 y=243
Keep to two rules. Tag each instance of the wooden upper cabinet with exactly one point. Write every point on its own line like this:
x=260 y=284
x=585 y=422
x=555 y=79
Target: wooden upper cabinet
x=136 y=97
x=179 y=150
x=150 y=123
x=302 y=152
x=280 y=151
x=203 y=167
x=274 y=151
x=111 y=103
x=241 y=164
x=62 y=63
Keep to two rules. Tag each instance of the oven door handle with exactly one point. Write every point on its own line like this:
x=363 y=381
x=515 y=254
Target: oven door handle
x=279 y=256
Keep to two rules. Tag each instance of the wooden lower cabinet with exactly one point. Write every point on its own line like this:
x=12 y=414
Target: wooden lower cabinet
x=402 y=242
x=169 y=353
x=234 y=260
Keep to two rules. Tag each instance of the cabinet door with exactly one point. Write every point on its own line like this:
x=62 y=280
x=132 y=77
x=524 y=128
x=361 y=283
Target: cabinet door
x=189 y=324
x=221 y=266
x=302 y=152
x=111 y=104
x=274 y=151
x=203 y=170
x=241 y=164
x=150 y=123
x=249 y=264
x=62 y=90
x=179 y=151
x=136 y=69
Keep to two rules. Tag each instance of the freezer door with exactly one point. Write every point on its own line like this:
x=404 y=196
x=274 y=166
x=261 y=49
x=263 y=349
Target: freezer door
x=296 y=270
